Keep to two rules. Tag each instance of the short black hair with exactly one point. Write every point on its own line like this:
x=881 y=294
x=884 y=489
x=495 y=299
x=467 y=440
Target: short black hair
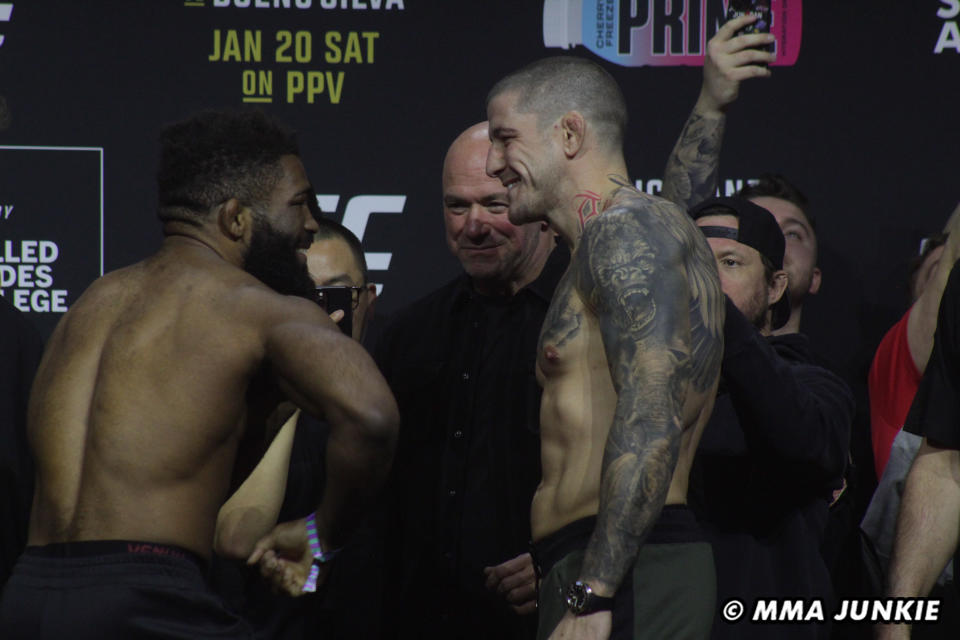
x=553 y=86
x=332 y=229
x=217 y=155
x=774 y=185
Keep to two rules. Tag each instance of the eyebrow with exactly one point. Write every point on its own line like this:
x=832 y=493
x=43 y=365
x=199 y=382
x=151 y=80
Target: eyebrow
x=451 y=199
x=796 y=221
x=736 y=253
x=340 y=277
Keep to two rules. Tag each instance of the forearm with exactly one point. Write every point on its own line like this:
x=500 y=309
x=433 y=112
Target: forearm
x=927 y=527
x=922 y=322
x=638 y=466
x=692 y=170
x=253 y=509
x=358 y=462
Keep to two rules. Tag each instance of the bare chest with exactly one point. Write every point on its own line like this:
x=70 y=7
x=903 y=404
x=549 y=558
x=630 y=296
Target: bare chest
x=570 y=339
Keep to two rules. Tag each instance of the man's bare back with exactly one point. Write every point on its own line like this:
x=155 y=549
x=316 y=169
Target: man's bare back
x=579 y=398
x=139 y=402
x=152 y=378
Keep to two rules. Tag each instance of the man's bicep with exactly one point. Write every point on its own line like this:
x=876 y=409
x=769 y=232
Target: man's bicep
x=637 y=290
x=314 y=363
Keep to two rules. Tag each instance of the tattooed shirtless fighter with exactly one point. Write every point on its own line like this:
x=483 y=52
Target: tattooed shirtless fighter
x=629 y=359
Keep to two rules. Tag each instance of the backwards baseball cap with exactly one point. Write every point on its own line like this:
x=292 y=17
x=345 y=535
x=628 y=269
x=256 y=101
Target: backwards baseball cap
x=757 y=229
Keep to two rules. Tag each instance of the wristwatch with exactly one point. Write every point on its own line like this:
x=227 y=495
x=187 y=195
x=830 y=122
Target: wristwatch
x=582 y=601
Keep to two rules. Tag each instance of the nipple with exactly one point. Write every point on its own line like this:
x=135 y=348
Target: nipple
x=551 y=354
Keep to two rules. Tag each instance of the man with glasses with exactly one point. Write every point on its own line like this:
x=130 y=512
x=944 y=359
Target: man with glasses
x=336 y=261
x=342 y=608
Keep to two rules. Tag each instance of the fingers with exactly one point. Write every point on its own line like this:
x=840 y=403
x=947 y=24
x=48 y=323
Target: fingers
x=526 y=608
x=521 y=562
x=269 y=566
x=282 y=575
x=732 y=26
x=522 y=594
x=496 y=574
x=291 y=584
x=258 y=552
x=720 y=49
x=337 y=315
x=493 y=578
x=518 y=580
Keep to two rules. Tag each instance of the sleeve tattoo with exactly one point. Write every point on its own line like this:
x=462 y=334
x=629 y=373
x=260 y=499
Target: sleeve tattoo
x=632 y=272
x=692 y=170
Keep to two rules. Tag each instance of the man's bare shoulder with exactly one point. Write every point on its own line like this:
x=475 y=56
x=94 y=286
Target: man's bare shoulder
x=649 y=213
x=643 y=259
x=647 y=225
x=168 y=290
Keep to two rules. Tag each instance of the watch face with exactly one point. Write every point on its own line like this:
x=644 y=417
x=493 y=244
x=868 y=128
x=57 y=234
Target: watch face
x=577 y=597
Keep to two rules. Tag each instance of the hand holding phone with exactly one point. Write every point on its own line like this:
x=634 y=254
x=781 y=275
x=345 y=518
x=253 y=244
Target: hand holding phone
x=760 y=8
x=338 y=298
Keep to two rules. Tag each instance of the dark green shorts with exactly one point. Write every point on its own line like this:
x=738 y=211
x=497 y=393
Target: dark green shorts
x=671 y=594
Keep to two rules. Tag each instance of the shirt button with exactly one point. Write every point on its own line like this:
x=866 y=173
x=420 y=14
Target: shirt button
x=458 y=434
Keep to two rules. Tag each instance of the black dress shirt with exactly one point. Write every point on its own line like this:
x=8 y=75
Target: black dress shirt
x=462 y=367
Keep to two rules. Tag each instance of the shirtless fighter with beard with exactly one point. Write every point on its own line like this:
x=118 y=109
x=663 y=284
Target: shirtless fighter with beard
x=144 y=395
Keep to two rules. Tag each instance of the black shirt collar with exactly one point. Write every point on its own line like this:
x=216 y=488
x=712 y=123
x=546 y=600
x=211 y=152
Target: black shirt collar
x=543 y=287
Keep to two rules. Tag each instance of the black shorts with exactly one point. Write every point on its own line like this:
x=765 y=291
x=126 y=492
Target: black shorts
x=113 y=589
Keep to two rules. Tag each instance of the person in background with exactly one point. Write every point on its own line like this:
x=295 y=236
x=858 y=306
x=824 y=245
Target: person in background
x=461 y=363
x=20 y=351
x=777 y=442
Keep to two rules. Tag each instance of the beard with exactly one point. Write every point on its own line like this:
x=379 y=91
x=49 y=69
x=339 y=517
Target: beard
x=272 y=259
x=756 y=310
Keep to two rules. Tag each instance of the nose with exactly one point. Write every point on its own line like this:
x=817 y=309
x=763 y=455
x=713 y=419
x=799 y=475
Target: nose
x=476 y=227
x=495 y=163
x=310 y=225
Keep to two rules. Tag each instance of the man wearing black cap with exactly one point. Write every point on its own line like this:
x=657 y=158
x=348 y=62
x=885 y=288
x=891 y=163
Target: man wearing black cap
x=777 y=440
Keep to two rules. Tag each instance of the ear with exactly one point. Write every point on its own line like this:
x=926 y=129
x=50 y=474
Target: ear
x=372 y=290
x=814 y=282
x=573 y=127
x=778 y=288
x=234 y=219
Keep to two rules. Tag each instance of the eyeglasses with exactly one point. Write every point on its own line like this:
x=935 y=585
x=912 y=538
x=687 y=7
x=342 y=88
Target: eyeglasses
x=336 y=293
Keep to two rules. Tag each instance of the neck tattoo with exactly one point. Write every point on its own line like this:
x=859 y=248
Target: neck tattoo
x=588 y=206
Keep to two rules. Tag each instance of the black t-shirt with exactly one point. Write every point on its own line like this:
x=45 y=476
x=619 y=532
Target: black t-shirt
x=935 y=412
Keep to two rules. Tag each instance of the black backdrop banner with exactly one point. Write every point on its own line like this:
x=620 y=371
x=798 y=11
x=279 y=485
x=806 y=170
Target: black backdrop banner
x=861 y=112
